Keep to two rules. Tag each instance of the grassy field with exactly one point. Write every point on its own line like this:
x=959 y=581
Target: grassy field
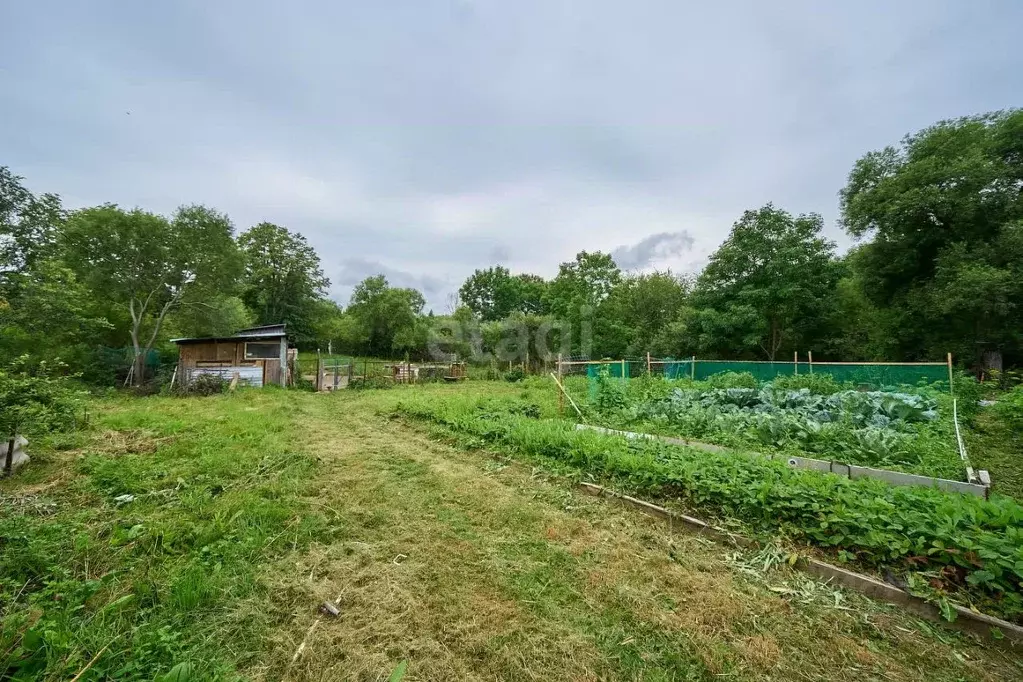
x=247 y=511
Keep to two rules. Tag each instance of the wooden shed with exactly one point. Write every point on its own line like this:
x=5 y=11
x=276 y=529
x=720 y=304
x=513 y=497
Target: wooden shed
x=259 y=356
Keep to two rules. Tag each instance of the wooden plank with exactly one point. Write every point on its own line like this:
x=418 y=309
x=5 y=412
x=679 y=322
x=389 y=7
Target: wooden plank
x=966 y=620
x=839 y=468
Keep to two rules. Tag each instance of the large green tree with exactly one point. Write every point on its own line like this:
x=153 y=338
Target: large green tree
x=283 y=279
x=28 y=224
x=491 y=293
x=151 y=265
x=941 y=214
x=768 y=288
x=635 y=315
x=385 y=320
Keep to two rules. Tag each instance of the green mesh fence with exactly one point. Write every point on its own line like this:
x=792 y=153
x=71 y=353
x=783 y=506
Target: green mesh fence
x=872 y=374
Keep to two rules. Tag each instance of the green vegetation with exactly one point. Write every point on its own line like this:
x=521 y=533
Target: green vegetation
x=906 y=431
x=144 y=539
x=961 y=546
x=249 y=509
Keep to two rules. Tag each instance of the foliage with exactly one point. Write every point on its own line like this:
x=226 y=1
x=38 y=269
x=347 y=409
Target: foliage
x=28 y=225
x=610 y=392
x=514 y=374
x=383 y=320
x=946 y=251
x=819 y=384
x=36 y=399
x=970 y=548
x=767 y=286
x=283 y=280
x=886 y=429
x=47 y=313
x=494 y=293
x=586 y=281
x=632 y=319
x=732 y=380
x=204 y=385
x=1009 y=409
x=213 y=484
x=149 y=265
x=213 y=316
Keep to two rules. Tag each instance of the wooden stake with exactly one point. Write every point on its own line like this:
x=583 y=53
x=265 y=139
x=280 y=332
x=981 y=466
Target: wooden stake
x=950 y=379
x=623 y=371
x=692 y=369
x=795 y=362
x=648 y=363
x=809 y=355
x=565 y=393
x=561 y=396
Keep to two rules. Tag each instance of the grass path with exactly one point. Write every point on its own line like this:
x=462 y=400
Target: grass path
x=249 y=510
x=474 y=570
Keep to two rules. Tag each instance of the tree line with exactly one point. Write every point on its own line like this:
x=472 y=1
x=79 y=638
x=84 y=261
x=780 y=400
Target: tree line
x=937 y=267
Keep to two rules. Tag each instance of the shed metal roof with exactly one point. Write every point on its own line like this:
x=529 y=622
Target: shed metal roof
x=270 y=331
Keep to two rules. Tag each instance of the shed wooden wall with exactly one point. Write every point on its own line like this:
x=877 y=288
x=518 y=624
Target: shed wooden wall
x=232 y=352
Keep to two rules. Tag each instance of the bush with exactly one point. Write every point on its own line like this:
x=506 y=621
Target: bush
x=968 y=392
x=514 y=374
x=205 y=384
x=819 y=384
x=1009 y=409
x=732 y=380
x=36 y=399
x=610 y=392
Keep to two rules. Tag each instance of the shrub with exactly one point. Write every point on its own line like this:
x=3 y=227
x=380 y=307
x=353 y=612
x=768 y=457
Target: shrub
x=514 y=374
x=610 y=392
x=36 y=399
x=732 y=380
x=205 y=384
x=1009 y=409
x=819 y=384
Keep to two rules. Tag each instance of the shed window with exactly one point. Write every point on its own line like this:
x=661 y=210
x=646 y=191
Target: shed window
x=262 y=351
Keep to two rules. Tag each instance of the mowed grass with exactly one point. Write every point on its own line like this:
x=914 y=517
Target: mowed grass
x=251 y=509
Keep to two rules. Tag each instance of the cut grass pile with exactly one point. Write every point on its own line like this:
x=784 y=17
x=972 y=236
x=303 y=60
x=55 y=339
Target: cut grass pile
x=945 y=544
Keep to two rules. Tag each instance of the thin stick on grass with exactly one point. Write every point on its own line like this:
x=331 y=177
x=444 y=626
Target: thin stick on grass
x=89 y=664
x=300 y=649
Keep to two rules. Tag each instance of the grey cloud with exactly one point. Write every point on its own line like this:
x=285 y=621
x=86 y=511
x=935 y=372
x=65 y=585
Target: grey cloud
x=439 y=135
x=656 y=247
x=352 y=271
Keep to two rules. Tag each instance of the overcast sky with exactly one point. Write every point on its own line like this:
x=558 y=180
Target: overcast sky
x=426 y=138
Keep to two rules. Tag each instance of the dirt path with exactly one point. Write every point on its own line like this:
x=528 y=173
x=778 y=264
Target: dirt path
x=474 y=570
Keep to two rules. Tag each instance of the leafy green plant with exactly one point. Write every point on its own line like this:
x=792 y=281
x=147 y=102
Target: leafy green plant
x=610 y=392
x=1009 y=409
x=820 y=384
x=973 y=547
x=34 y=399
x=732 y=380
x=514 y=374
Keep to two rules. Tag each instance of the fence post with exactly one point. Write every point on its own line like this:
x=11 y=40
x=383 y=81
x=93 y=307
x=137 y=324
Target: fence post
x=623 y=371
x=561 y=394
x=809 y=356
x=951 y=390
x=648 y=363
x=692 y=369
